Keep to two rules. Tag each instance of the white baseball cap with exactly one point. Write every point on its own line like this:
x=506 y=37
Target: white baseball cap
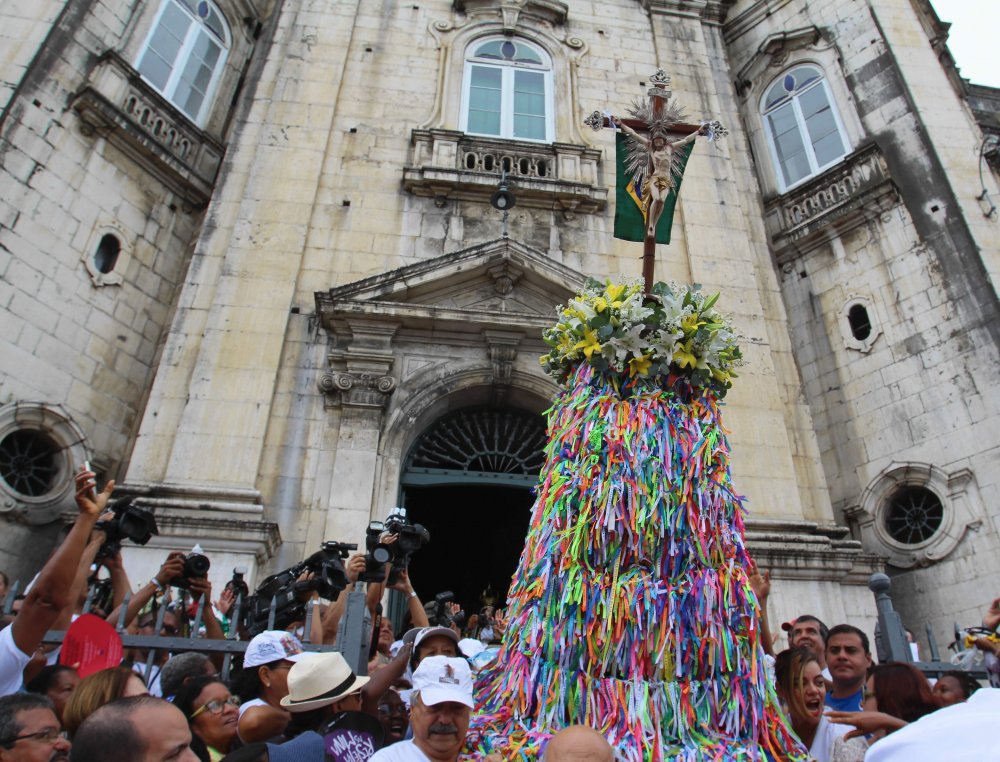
x=430 y=632
x=444 y=678
x=272 y=645
x=470 y=647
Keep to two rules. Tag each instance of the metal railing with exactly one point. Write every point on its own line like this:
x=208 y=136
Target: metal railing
x=351 y=641
x=891 y=644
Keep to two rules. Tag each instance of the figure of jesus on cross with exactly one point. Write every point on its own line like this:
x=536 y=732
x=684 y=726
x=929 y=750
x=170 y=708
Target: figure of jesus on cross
x=655 y=162
x=659 y=179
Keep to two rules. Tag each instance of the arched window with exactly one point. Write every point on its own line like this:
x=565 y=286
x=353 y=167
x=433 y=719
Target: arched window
x=507 y=90
x=185 y=54
x=803 y=128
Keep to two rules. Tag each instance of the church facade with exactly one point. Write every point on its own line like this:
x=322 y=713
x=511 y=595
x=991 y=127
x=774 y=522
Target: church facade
x=251 y=271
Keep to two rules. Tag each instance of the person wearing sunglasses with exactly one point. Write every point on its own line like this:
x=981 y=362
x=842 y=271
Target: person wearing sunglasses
x=213 y=713
x=30 y=730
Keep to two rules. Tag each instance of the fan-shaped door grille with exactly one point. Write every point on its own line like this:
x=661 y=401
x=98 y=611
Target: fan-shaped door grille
x=483 y=440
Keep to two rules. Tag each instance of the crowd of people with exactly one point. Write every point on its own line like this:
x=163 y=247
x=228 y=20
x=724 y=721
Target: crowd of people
x=290 y=702
x=845 y=708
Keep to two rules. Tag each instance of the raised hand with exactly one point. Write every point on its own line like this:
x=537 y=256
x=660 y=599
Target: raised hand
x=88 y=500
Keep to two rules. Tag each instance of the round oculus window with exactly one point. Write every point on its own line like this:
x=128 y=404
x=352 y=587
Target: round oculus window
x=29 y=462
x=913 y=515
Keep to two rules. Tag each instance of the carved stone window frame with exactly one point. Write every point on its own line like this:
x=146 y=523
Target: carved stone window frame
x=509 y=71
x=447 y=164
x=874 y=317
x=959 y=495
x=795 y=103
x=197 y=28
x=117 y=276
x=564 y=52
x=776 y=55
x=243 y=18
x=69 y=443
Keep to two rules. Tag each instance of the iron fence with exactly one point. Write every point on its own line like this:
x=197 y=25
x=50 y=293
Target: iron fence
x=351 y=642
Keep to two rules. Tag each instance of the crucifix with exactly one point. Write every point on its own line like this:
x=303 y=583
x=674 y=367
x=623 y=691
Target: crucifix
x=654 y=161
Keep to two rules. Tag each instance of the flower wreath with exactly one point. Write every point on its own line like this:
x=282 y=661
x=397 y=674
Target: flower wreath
x=672 y=330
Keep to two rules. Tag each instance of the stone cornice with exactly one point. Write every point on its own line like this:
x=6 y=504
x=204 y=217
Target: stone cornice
x=119 y=105
x=552 y=12
x=448 y=164
x=809 y=551
x=841 y=198
x=416 y=314
x=219 y=518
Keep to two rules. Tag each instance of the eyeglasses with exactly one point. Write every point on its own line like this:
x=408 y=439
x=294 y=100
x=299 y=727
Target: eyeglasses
x=390 y=709
x=49 y=735
x=215 y=706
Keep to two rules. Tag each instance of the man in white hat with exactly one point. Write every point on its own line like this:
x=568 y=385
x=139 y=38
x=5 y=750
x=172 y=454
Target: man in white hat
x=319 y=687
x=440 y=705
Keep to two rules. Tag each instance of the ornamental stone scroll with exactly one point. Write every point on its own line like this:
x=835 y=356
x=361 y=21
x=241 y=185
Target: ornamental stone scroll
x=355 y=389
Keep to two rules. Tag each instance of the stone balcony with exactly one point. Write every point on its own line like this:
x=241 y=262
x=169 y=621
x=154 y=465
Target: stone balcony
x=842 y=198
x=117 y=104
x=446 y=165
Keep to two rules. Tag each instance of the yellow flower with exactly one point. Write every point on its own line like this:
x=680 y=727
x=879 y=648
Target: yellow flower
x=600 y=304
x=684 y=357
x=720 y=375
x=589 y=343
x=690 y=324
x=615 y=293
x=639 y=365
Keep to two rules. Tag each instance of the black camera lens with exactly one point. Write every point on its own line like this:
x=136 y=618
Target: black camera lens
x=382 y=554
x=197 y=565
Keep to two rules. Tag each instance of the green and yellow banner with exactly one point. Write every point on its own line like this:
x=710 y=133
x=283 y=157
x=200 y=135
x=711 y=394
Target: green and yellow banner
x=630 y=221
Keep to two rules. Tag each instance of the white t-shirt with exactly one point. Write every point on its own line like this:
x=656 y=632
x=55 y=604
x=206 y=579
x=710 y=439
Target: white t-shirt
x=401 y=751
x=959 y=733
x=154 y=683
x=12 y=663
x=252 y=702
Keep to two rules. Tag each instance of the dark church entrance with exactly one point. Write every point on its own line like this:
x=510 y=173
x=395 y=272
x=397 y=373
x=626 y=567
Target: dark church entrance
x=477 y=535
x=469 y=479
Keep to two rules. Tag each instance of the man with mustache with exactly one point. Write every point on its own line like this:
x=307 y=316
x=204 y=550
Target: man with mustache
x=440 y=705
x=30 y=730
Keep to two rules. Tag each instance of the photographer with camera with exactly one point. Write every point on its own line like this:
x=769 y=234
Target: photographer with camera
x=175 y=571
x=52 y=591
x=283 y=600
x=111 y=589
x=356 y=568
x=390 y=545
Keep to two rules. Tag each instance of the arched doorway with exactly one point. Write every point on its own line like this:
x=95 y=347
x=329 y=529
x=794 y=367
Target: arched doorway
x=468 y=478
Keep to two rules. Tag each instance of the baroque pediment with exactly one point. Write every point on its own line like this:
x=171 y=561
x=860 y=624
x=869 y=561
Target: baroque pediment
x=500 y=283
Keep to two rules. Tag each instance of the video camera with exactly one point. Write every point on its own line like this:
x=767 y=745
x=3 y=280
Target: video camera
x=129 y=523
x=409 y=539
x=287 y=594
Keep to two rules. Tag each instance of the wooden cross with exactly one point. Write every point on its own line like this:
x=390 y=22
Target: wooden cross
x=658 y=95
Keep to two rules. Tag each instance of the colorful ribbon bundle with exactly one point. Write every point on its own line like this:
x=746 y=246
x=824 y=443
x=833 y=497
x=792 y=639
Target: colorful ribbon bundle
x=631 y=610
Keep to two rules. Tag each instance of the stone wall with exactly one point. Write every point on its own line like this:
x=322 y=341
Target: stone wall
x=913 y=403
x=314 y=274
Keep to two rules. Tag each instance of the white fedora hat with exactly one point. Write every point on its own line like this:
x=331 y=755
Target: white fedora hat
x=320 y=680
